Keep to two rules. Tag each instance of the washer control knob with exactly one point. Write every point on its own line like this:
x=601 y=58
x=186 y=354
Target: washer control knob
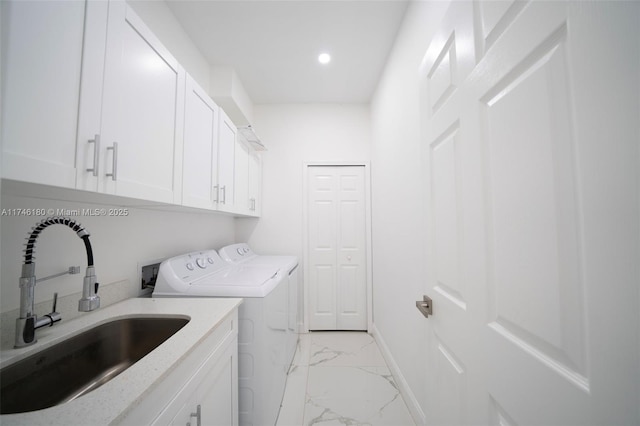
x=201 y=263
x=240 y=252
x=210 y=260
x=189 y=266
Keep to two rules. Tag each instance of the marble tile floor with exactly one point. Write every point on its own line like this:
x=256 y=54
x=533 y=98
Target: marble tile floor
x=341 y=378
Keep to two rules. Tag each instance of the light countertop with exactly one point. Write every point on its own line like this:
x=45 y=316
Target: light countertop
x=104 y=404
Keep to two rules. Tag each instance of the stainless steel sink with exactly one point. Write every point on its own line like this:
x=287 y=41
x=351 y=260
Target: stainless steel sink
x=81 y=363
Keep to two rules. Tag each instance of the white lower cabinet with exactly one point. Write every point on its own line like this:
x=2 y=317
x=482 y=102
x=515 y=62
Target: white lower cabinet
x=202 y=390
x=209 y=400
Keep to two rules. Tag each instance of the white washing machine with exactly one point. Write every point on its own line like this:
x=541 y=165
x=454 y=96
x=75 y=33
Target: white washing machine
x=241 y=254
x=262 y=329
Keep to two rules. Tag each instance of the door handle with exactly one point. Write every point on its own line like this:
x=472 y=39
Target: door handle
x=425 y=306
x=197 y=415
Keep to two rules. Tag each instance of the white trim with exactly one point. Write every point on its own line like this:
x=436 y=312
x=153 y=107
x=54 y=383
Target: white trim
x=403 y=386
x=368 y=243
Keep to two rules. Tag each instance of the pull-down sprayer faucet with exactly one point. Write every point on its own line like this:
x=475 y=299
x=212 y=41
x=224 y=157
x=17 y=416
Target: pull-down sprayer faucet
x=28 y=322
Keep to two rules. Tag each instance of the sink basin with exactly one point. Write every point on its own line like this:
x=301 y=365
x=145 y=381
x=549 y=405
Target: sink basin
x=81 y=363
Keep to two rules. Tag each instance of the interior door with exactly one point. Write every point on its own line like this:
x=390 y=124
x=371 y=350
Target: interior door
x=453 y=393
x=337 y=253
x=531 y=169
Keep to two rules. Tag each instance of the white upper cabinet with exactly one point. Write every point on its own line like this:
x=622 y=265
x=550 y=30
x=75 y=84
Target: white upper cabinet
x=92 y=100
x=248 y=178
x=226 y=163
x=50 y=51
x=142 y=116
x=200 y=161
x=255 y=183
x=242 y=176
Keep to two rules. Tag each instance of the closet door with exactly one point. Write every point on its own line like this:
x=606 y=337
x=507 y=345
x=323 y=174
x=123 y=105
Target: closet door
x=337 y=253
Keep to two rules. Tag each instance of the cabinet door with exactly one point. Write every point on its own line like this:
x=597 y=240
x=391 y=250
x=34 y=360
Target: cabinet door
x=143 y=112
x=42 y=70
x=241 y=173
x=226 y=162
x=217 y=392
x=255 y=183
x=200 y=162
x=214 y=399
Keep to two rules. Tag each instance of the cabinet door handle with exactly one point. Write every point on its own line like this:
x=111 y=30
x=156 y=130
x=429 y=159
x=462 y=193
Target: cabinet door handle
x=197 y=415
x=224 y=194
x=96 y=153
x=216 y=189
x=114 y=169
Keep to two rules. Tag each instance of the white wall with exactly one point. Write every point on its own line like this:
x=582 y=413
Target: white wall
x=397 y=198
x=295 y=134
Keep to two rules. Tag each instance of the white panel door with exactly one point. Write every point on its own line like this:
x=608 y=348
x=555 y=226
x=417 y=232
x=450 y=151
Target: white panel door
x=143 y=112
x=200 y=158
x=337 y=253
x=531 y=161
x=453 y=384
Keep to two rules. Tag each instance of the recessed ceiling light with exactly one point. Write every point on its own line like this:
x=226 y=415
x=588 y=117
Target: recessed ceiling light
x=324 y=58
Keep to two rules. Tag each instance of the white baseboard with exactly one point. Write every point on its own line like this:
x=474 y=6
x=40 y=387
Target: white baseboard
x=408 y=396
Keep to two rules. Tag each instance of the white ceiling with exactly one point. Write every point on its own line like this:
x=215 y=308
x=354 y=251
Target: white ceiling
x=274 y=45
